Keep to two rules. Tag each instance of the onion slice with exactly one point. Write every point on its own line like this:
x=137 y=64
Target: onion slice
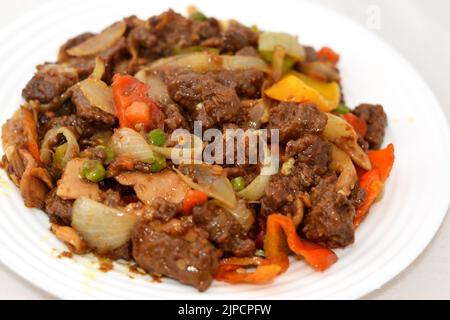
x=102 y=228
x=215 y=185
x=207 y=61
x=342 y=163
x=269 y=40
x=128 y=142
x=100 y=42
x=99 y=94
x=72 y=150
x=241 y=212
x=342 y=134
x=256 y=189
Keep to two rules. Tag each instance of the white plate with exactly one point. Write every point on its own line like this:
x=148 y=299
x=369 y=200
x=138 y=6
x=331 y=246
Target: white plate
x=396 y=231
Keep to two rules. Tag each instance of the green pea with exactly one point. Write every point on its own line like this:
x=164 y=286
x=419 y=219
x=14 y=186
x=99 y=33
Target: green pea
x=198 y=16
x=342 y=109
x=93 y=171
x=158 y=164
x=157 y=137
x=238 y=183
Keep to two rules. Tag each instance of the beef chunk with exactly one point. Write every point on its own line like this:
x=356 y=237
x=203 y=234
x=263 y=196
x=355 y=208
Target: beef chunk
x=206 y=29
x=114 y=57
x=207 y=100
x=330 y=221
x=59 y=210
x=280 y=194
x=123 y=252
x=223 y=229
x=312 y=151
x=236 y=37
x=50 y=81
x=175 y=250
x=88 y=112
x=294 y=120
x=312 y=155
x=170 y=31
x=77 y=125
x=246 y=83
x=165 y=210
x=83 y=65
x=376 y=121
x=174 y=117
x=357 y=196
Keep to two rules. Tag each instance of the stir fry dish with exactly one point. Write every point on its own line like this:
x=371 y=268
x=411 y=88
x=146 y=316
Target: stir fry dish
x=97 y=144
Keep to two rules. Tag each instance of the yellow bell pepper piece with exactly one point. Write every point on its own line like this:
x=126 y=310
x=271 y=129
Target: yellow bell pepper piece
x=297 y=87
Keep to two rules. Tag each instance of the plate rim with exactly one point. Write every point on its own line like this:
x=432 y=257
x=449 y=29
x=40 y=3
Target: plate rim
x=437 y=110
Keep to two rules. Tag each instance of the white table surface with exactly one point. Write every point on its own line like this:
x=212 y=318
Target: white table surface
x=420 y=30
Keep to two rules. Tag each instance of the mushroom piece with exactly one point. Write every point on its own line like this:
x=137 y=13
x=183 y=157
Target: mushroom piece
x=149 y=186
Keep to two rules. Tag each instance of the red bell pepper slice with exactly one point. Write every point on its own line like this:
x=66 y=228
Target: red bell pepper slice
x=329 y=54
x=357 y=123
x=372 y=181
x=191 y=199
x=281 y=235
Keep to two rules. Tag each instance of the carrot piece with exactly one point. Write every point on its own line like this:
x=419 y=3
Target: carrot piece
x=30 y=132
x=191 y=199
x=329 y=54
x=357 y=123
x=128 y=90
x=138 y=112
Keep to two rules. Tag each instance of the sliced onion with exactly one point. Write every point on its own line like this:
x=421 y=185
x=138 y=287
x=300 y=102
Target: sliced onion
x=207 y=61
x=99 y=69
x=243 y=214
x=72 y=150
x=342 y=163
x=257 y=113
x=255 y=190
x=243 y=62
x=157 y=89
x=341 y=133
x=321 y=71
x=102 y=228
x=98 y=43
x=128 y=142
x=269 y=40
x=180 y=155
x=99 y=94
x=214 y=185
x=277 y=62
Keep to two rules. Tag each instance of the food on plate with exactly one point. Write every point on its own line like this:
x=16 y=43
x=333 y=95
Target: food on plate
x=97 y=144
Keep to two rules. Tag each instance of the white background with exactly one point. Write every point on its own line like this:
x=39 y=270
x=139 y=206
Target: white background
x=420 y=30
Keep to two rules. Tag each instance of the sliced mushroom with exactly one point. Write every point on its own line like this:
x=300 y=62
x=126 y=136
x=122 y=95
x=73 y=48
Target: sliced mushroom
x=166 y=184
x=72 y=186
